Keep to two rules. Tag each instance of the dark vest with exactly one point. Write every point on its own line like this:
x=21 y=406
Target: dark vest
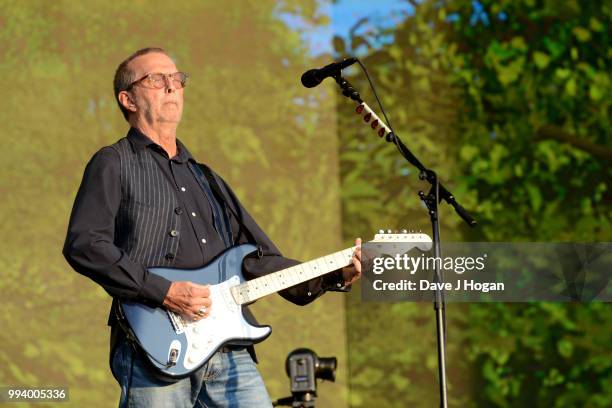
x=146 y=227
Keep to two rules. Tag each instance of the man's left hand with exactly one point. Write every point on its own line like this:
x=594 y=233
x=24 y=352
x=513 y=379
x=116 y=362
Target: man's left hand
x=352 y=273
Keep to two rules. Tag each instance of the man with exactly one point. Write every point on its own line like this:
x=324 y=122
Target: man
x=144 y=202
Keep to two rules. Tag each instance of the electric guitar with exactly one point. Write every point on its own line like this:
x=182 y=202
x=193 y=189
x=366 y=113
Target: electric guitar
x=177 y=345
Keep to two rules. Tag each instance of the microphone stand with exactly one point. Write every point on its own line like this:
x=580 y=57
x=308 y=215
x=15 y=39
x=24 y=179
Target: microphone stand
x=436 y=194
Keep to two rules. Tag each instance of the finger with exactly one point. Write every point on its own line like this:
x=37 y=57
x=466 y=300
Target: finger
x=357 y=259
x=202 y=291
x=357 y=266
x=195 y=300
x=353 y=274
x=202 y=312
x=357 y=251
x=198 y=317
x=202 y=303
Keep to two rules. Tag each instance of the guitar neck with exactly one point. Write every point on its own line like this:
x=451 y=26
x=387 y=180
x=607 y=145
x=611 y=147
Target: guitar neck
x=254 y=289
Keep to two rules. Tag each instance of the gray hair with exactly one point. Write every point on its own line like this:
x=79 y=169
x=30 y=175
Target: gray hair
x=124 y=76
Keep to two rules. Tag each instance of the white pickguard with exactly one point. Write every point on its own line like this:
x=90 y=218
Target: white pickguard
x=225 y=322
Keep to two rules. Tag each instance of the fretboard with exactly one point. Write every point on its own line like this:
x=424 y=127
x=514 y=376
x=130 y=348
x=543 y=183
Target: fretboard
x=254 y=289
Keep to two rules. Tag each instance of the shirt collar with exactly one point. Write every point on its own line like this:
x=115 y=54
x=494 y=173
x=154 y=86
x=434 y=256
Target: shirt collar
x=141 y=141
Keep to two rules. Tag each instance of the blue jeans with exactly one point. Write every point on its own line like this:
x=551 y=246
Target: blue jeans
x=227 y=380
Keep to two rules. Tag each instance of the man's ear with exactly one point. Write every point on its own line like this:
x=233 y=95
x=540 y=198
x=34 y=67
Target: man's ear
x=126 y=101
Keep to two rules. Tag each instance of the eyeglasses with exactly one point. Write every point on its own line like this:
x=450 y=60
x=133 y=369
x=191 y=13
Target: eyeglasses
x=157 y=80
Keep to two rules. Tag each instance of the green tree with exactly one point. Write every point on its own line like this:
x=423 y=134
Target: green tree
x=510 y=102
x=537 y=117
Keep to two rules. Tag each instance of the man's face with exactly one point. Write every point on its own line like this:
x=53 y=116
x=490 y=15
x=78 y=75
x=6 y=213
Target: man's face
x=156 y=105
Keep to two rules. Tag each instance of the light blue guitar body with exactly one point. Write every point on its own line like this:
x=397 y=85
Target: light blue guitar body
x=176 y=345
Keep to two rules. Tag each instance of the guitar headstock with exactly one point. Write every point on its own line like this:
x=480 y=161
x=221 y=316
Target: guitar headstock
x=402 y=241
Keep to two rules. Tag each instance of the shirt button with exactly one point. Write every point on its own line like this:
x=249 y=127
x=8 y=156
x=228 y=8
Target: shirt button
x=178 y=210
x=183 y=189
x=203 y=240
x=173 y=233
x=169 y=256
x=309 y=293
x=193 y=214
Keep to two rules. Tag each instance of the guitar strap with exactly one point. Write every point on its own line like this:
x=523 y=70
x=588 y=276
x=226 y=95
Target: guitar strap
x=214 y=185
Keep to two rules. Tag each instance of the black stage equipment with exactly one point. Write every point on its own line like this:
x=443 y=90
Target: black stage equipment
x=314 y=77
x=304 y=368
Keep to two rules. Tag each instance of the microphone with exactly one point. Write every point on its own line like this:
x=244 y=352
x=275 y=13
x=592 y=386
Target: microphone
x=314 y=77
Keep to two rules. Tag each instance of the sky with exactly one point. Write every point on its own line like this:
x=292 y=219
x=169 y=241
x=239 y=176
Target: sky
x=344 y=14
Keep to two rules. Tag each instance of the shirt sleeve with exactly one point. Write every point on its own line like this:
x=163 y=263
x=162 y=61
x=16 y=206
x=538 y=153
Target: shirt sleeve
x=271 y=260
x=89 y=247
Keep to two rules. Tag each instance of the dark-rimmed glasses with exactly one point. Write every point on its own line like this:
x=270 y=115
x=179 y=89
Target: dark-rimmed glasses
x=157 y=80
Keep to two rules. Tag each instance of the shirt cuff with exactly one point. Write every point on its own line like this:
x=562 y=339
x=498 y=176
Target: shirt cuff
x=334 y=282
x=154 y=289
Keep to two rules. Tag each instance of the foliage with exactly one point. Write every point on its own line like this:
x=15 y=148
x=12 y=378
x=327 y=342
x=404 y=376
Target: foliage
x=250 y=124
x=509 y=101
x=535 y=75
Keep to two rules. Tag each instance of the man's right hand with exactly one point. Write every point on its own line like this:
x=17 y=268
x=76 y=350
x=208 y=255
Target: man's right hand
x=189 y=299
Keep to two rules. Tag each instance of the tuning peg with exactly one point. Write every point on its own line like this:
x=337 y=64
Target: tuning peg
x=404 y=231
x=389 y=231
x=381 y=231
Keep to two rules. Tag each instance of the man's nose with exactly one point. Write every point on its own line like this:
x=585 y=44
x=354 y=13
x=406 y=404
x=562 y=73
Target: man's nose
x=169 y=84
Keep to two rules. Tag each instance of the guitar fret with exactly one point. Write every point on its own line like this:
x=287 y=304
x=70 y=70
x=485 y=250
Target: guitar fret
x=346 y=256
x=243 y=294
x=315 y=268
x=292 y=276
x=308 y=270
x=274 y=283
x=329 y=260
x=270 y=284
x=324 y=264
x=277 y=281
x=256 y=288
x=301 y=273
x=318 y=266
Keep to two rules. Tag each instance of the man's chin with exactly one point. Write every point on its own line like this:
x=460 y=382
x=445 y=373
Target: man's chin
x=170 y=117
x=169 y=120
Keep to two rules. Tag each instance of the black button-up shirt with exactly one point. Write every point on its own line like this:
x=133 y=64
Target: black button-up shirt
x=90 y=243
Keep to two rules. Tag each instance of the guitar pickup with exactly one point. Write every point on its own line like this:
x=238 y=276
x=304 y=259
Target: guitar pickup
x=178 y=324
